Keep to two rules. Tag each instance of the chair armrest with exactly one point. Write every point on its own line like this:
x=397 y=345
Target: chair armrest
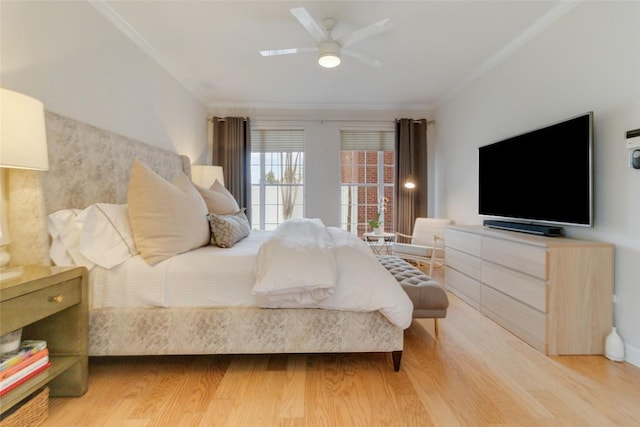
x=403 y=235
x=406 y=236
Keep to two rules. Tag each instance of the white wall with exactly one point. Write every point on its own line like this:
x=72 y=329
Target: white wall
x=588 y=60
x=79 y=65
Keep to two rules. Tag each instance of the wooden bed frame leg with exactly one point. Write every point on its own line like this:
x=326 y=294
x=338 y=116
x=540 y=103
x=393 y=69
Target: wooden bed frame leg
x=396 y=356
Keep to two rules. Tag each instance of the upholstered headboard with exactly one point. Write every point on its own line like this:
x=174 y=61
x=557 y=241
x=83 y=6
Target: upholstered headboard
x=86 y=165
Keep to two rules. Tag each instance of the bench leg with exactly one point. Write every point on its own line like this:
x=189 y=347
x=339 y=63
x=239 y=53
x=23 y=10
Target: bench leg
x=396 y=356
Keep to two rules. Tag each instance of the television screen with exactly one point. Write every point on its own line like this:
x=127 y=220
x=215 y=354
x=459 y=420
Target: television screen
x=542 y=176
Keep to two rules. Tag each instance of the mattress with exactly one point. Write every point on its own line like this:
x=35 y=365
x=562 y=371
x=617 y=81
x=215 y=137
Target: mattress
x=206 y=277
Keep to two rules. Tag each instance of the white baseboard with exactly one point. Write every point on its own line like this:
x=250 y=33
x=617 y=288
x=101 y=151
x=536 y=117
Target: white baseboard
x=632 y=355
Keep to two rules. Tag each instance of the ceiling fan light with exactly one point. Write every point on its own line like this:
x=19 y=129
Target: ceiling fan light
x=329 y=56
x=329 y=60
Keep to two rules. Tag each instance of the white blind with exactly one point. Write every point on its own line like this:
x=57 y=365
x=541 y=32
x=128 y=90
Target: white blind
x=357 y=140
x=277 y=140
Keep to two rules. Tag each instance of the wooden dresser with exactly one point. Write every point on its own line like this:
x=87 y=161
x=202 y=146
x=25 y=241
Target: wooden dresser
x=49 y=303
x=554 y=293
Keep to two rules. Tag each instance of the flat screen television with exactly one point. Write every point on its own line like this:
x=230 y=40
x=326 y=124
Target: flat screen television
x=543 y=176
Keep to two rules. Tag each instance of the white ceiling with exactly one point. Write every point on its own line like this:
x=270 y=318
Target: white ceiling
x=432 y=50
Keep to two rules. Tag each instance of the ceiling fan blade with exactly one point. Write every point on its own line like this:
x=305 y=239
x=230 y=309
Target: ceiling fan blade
x=365 y=32
x=289 y=51
x=362 y=58
x=309 y=23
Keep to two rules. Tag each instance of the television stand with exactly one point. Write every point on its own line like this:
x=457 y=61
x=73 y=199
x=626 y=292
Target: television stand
x=541 y=230
x=554 y=294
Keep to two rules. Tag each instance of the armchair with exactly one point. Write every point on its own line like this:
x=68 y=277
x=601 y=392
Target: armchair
x=426 y=244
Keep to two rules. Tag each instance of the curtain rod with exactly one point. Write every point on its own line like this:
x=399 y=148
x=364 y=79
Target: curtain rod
x=429 y=122
x=223 y=119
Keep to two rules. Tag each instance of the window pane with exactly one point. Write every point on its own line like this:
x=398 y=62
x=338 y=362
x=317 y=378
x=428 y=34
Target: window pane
x=367 y=187
x=277 y=175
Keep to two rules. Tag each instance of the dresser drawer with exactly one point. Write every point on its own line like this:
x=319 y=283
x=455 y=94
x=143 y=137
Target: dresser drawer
x=528 y=259
x=518 y=318
x=463 y=262
x=525 y=288
x=465 y=242
x=464 y=286
x=31 y=307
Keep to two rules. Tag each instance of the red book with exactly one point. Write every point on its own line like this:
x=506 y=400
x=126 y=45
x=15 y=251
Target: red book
x=24 y=363
x=26 y=374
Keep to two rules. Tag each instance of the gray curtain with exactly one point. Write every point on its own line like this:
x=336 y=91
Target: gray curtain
x=232 y=151
x=411 y=159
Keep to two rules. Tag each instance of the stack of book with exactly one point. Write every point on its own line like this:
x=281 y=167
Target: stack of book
x=28 y=361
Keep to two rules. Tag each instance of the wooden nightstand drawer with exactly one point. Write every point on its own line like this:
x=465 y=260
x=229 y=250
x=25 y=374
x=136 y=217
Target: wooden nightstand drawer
x=37 y=305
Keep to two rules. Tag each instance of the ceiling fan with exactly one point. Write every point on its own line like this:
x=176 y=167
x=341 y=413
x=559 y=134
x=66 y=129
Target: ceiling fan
x=328 y=48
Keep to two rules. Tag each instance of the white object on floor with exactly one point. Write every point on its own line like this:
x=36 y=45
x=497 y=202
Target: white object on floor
x=614 y=346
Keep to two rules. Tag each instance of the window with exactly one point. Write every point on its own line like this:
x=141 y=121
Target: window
x=368 y=179
x=277 y=176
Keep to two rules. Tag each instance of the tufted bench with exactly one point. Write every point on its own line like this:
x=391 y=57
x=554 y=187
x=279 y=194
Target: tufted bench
x=429 y=298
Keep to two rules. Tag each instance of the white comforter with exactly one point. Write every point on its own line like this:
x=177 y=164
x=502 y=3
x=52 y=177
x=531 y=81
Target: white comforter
x=305 y=264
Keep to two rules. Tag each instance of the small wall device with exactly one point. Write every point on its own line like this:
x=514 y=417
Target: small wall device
x=633 y=143
x=635 y=159
x=633 y=139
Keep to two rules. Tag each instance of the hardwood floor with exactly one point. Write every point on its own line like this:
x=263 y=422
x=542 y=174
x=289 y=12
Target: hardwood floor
x=475 y=374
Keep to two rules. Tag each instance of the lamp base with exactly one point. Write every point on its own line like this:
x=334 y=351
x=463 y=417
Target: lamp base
x=5 y=256
x=10 y=273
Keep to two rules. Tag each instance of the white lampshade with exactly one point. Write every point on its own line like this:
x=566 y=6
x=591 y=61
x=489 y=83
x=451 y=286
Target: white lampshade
x=23 y=145
x=206 y=175
x=23 y=139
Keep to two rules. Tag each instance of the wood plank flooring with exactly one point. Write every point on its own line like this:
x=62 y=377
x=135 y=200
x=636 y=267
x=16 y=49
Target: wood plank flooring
x=474 y=374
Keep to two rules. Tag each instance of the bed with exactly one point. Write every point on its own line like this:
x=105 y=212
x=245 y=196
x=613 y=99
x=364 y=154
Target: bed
x=89 y=166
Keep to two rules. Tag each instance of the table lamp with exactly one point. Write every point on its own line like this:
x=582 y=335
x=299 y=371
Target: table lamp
x=23 y=145
x=206 y=175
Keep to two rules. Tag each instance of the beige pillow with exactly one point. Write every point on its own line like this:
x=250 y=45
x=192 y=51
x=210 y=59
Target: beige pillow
x=166 y=218
x=218 y=199
x=227 y=230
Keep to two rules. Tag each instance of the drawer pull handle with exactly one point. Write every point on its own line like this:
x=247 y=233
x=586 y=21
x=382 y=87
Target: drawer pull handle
x=57 y=298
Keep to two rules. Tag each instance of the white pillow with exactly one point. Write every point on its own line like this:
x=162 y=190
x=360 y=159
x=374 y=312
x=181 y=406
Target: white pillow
x=65 y=227
x=166 y=218
x=106 y=238
x=218 y=199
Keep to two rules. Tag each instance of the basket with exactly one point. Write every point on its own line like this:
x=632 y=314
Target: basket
x=32 y=413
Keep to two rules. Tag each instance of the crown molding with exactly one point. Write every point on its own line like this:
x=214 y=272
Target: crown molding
x=121 y=24
x=506 y=51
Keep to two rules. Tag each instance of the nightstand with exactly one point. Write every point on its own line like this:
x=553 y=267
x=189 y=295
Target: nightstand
x=49 y=303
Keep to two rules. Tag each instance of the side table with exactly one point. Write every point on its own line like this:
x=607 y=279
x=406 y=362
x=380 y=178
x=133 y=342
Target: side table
x=49 y=303
x=380 y=243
